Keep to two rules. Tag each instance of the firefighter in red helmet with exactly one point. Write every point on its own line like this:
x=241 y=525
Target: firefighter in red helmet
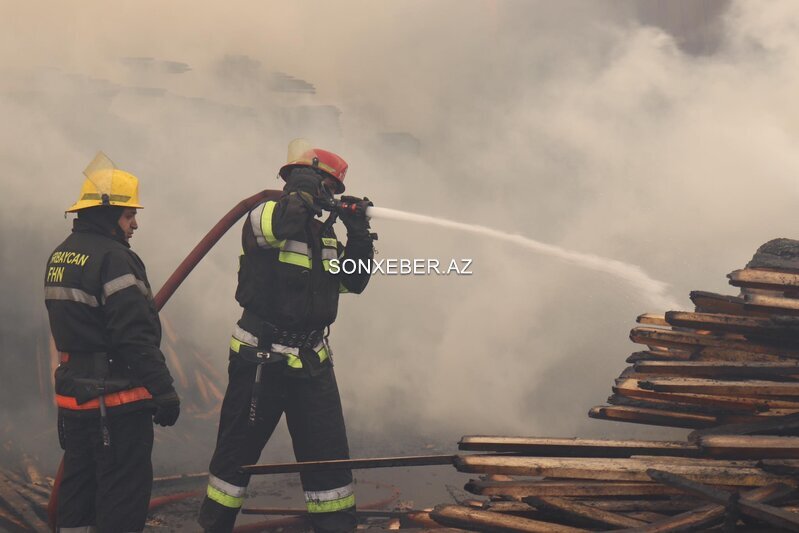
x=280 y=358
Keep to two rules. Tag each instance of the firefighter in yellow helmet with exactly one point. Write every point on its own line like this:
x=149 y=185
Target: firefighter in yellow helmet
x=280 y=360
x=112 y=382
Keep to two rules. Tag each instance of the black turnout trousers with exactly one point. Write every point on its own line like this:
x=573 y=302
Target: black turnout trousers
x=106 y=486
x=315 y=422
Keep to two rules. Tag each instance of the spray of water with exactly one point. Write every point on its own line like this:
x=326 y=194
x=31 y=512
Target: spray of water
x=656 y=291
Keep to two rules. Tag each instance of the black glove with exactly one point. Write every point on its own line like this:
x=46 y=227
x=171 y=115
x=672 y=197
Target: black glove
x=302 y=179
x=167 y=409
x=357 y=223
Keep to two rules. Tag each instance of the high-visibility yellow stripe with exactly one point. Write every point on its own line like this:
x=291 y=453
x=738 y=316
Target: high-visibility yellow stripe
x=294 y=258
x=330 y=241
x=342 y=289
x=235 y=344
x=224 y=499
x=331 y=506
x=322 y=354
x=266 y=225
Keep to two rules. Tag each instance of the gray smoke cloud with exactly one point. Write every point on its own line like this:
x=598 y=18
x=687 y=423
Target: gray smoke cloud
x=665 y=139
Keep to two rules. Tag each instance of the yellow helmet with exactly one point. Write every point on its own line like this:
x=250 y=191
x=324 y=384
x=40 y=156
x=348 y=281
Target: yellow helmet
x=107 y=185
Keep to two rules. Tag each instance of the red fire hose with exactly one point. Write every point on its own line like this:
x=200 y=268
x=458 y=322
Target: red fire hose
x=169 y=288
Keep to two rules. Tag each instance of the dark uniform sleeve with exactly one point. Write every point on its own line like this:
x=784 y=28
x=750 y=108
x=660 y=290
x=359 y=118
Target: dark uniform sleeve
x=357 y=250
x=273 y=221
x=292 y=214
x=132 y=324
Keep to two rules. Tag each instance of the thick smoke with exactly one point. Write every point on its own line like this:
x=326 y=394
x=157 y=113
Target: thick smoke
x=585 y=125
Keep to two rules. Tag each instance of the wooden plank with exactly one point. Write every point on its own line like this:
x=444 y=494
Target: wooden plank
x=29 y=490
x=782 y=467
x=632 y=389
x=653 y=319
x=686 y=340
x=749 y=388
x=8 y=520
x=587 y=489
x=710 y=302
x=706 y=515
x=675 y=407
x=781 y=371
x=295 y=511
x=764 y=279
x=573 y=509
x=651 y=355
x=748 y=325
x=754 y=446
x=644 y=510
x=710 y=353
x=423 y=520
x=498 y=506
x=646 y=516
x=340 y=464
x=767 y=513
x=787 y=425
x=475 y=519
x=737 y=473
x=654 y=417
x=671 y=505
x=574 y=447
x=21 y=507
x=675 y=402
x=772 y=304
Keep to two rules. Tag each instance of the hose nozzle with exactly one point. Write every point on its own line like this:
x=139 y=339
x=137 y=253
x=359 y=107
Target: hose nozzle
x=347 y=205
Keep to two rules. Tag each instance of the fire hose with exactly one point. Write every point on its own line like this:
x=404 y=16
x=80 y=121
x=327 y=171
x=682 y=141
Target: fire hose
x=167 y=290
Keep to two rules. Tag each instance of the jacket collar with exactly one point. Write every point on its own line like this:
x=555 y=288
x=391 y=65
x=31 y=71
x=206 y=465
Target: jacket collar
x=86 y=226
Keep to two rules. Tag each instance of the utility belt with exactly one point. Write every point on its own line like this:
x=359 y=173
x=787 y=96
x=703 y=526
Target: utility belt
x=96 y=392
x=293 y=338
x=84 y=377
x=264 y=334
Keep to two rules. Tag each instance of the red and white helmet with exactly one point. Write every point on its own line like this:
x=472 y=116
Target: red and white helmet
x=301 y=154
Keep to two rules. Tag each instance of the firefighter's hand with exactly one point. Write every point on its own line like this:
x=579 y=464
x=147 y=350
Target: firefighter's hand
x=167 y=409
x=357 y=223
x=303 y=180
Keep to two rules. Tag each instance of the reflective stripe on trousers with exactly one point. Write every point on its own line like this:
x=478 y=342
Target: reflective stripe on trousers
x=329 y=501
x=225 y=493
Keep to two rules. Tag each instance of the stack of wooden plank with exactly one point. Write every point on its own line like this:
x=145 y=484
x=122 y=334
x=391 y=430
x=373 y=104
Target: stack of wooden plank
x=23 y=500
x=734 y=359
x=551 y=484
x=729 y=370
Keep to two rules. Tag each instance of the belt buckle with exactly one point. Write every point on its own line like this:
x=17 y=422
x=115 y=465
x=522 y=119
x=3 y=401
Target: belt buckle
x=265 y=356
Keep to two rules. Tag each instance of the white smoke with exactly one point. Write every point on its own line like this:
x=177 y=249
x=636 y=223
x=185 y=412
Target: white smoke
x=572 y=123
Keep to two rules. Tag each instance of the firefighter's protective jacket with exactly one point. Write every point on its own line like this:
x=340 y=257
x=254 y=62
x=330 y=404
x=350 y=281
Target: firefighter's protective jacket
x=284 y=273
x=104 y=323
